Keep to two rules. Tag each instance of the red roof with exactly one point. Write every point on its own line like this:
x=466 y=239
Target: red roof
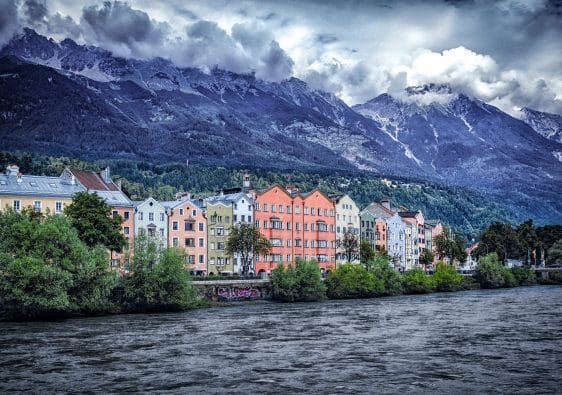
x=93 y=181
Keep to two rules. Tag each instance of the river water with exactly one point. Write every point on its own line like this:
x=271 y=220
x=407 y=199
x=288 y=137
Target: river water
x=507 y=341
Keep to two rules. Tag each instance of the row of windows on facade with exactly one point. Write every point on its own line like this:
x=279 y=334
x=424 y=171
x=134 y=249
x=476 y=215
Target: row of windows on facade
x=140 y=215
x=37 y=206
x=219 y=218
x=188 y=226
x=302 y=243
x=344 y=217
x=278 y=208
x=279 y=258
x=275 y=224
x=344 y=229
x=188 y=242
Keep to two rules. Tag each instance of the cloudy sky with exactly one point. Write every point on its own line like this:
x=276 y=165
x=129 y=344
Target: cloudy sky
x=508 y=53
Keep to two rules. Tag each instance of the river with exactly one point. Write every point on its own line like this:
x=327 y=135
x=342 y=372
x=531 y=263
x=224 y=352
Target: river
x=507 y=341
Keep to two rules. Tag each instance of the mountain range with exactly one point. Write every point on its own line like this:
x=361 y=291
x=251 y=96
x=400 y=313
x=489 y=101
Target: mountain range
x=62 y=98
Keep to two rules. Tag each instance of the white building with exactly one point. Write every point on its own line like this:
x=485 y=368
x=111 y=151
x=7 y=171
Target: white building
x=151 y=218
x=347 y=219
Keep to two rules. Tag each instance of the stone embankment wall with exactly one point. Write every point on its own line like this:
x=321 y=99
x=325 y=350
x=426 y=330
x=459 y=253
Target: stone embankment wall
x=233 y=290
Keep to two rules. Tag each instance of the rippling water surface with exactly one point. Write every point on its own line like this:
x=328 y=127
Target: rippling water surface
x=506 y=341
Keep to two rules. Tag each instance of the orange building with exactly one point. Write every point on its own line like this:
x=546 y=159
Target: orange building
x=102 y=184
x=187 y=230
x=298 y=225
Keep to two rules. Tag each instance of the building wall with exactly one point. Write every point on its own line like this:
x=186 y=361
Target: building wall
x=421 y=232
x=278 y=226
x=243 y=213
x=187 y=229
x=347 y=218
x=47 y=204
x=294 y=230
x=143 y=218
x=396 y=241
x=368 y=227
x=121 y=260
x=380 y=234
x=219 y=221
x=412 y=245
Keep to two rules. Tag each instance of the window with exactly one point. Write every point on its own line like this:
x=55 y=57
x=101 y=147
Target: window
x=288 y=257
x=219 y=219
x=227 y=219
x=126 y=215
x=276 y=224
x=265 y=207
x=326 y=212
x=288 y=242
x=188 y=226
x=37 y=205
x=306 y=244
x=181 y=211
x=298 y=226
x=305 y=210
x=58 y=207
x=162 y=217
x=191 y=259
x=306 y=226
x=298 y=209
x=277 y=242
x=322 y=243
x=201 y=258
x=201 y=227
x=220 y=231
x=280 y=208
x=249 y=207
x=176 y=242
x=249 y=219
x=235 y=206
x=114 y=213
x=16 y=205
x=257 y=207
x=194 y=213
x=243 y=218
x=298 y=243
x=288 y=226
x=151 y=216
x=161 y=231
x=201 y=242
x=211 y=261
x=211 y=246
x=331 y=212
x=126 y=230
x=220 y=246
x=257 y=224
x=288 y=209
x=273 y=208
x=140 y=215
x=235 y=218
x=175 y=225
x=322 y=227
x=265 y=224
x=319 y=211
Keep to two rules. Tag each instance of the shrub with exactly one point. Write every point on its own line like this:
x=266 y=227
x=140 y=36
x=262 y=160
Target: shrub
x=353 y=281
x=303 y=283
x=490 y=273
x=524 y=275
x=392 y=280
x=416 y=281
x=446 y=278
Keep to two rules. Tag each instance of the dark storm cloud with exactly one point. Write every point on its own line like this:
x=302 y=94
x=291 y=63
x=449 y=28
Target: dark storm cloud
x=8 y=20
x=35 y=10
x=117 y=22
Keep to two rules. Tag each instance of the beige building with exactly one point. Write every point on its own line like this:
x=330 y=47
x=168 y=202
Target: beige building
x=44 y=194
x=347 y=219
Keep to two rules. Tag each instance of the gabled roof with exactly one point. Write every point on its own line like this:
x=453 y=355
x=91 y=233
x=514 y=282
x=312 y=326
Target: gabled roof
x=175 y=203
x=379 y=211
x=93 y=181
x=115 y=198
x=263 y=191
x=37 y=186
x=228 y=198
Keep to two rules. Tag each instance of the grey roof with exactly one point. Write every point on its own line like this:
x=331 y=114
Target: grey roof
x=176 y=203
x=228 y=199
x=38 y=186
x=115 y=198
x=379 y=211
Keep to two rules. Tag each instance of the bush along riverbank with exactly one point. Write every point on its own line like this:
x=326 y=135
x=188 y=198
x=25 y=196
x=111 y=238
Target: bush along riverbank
x=47 y=271
x=377 y=278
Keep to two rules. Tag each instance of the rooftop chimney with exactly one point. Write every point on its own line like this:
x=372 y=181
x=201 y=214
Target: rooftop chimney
x=246 y=183
x=385 y=203
x=106 y=174
x=12 y=170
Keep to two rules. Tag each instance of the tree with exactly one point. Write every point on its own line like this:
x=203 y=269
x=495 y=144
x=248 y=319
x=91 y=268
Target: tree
x=353 y=281
x=303 y=283
x=446 y=278
x=246 y=240
x=416 y=281
x=367 y=253
x=92 y=218
x=350 y=245
x=490 y=273
x=528 y=241
x=426 y=257
x=500 y=238
x=447 y=246
x=392 y=280
x=555 y=253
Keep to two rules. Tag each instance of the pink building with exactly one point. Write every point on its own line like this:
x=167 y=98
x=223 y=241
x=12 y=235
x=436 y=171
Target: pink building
x=187 y=230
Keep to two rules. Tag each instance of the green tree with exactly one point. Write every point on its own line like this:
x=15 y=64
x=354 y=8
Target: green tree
x=349 y=243
x=353 y=281
x=416 y=281
x=303 y=283
x=446 y=278
x=93 y=220
x=246 y=240
x=529 y=242
x=555 y=253
x=367 y=253
x=392 y=280
x=426 y=257
x=490 y=273
x=500 y=238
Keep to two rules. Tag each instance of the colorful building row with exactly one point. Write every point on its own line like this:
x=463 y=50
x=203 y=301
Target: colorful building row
x=299 y=225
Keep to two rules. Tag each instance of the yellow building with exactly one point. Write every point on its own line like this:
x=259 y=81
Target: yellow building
x=44 y=194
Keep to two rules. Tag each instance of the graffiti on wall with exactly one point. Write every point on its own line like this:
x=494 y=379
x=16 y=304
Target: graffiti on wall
x=238 y=293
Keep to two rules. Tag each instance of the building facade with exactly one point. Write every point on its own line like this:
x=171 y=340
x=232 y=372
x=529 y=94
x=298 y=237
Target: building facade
x=187 y=230
x=152 y=220
x=347 y=220
x=219 y=222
